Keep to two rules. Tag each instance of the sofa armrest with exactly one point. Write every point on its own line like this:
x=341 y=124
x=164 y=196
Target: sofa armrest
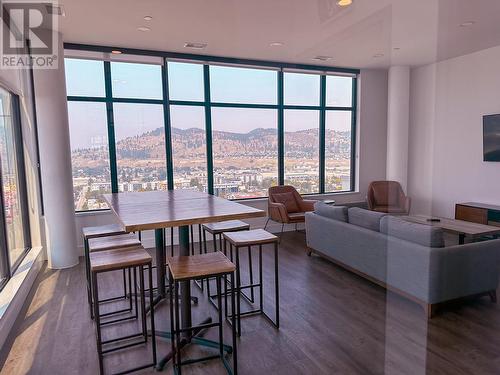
x=307 y=205
x=277 y=212
x=463 y=270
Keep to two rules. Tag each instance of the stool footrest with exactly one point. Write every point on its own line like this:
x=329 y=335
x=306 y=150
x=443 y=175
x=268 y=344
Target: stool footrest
x=197 y=327
x=121 y=347
x=128 y=337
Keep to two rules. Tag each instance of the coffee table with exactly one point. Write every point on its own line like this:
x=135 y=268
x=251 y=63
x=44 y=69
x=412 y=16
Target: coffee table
x=460 y=227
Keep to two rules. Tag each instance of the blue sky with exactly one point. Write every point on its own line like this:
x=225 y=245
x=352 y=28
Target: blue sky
x=227 y=84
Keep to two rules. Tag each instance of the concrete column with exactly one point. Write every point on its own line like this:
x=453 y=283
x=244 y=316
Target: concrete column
x=398 y=124
x=55 y=160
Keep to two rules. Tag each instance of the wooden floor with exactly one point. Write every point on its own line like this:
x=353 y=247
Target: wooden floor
x=332 y=322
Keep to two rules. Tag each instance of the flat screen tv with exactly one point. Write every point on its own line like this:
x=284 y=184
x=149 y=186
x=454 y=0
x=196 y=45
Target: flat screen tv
x=491 y=137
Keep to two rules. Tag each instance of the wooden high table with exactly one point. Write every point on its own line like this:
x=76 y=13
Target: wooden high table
x=157 y=210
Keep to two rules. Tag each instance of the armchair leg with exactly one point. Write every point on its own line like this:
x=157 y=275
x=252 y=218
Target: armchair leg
x=281 y=233
x=493 y=296
x=267 y=222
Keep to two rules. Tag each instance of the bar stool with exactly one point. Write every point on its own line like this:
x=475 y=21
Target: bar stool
x=117 y=259
x=185 y=269
x=104 y=237
x=255 y=237
x=216 y=230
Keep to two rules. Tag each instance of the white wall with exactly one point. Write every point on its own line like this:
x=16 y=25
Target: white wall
x=370 y=156
x=398 y=124
x=448 y=100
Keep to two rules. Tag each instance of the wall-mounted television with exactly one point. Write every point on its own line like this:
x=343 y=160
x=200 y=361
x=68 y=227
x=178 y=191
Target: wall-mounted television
x=491 y=137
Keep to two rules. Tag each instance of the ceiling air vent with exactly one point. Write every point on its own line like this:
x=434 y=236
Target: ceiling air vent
x=323 y=58
x=55 y=9
x=195 y=45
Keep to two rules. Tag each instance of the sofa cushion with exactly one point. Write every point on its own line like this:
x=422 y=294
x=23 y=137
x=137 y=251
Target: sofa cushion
x=425 y=235
x=365 y=218
x=331 y=212
x=288 y=199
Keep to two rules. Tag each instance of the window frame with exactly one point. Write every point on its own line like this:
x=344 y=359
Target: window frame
x=7 y=268
x=207 y=61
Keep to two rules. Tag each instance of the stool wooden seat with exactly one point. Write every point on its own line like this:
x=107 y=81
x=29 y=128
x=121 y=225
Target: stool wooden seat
x=102 y=231
x=251 y=237
x=108 y=243
x=198 y=266
x=123 y=257
x=226 y=226
x=131 y=258
x=185 y=269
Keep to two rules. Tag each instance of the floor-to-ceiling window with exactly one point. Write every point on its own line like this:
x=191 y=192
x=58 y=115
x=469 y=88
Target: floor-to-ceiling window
x=244 y=131
x=188 y=126
x=228 y=129
x=14 y=221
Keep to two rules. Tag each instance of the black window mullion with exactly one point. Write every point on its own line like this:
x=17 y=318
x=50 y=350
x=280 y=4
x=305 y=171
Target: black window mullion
x=208 y=130
x=281 y=132
x=111 y=128
x=168 y=126
x=353 y=131
x=322 y=134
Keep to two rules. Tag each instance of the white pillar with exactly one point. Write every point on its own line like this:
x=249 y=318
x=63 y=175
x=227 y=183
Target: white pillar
x=398 y=124
x=55 y=162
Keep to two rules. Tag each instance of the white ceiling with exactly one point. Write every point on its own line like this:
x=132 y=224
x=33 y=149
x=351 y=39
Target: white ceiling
x=424 y=30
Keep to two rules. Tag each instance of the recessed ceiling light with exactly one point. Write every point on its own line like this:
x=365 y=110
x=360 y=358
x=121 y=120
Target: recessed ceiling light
x=195 y=45
x=116 y=52
x=377 y=55
x=143 y=29
x=468 y=23
x=276 y=44
x=344 y=3
x=323 y=58
x=148 y=18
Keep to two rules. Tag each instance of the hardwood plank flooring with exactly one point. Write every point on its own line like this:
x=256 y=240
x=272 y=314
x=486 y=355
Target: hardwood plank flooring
x=332 y=322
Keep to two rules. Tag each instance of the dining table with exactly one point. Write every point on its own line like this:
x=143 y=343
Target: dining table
x=158 y=210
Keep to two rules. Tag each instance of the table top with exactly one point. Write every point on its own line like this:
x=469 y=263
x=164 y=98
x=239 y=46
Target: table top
x=455 y=226
x=164 y=209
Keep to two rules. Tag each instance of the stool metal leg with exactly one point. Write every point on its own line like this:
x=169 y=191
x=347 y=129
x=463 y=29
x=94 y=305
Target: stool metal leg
x=143 y=304
x=87 y=274
x=152 y=313
x=219 y=305
x=97 y=322
x=225 y=282
x=276 y=282
x=177 y=332
x=250 y=266
x=172 y=319
x=238 y=285
x=261 y=288
x=233 y=328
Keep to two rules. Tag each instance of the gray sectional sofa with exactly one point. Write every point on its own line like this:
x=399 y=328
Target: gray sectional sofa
x=408 y=258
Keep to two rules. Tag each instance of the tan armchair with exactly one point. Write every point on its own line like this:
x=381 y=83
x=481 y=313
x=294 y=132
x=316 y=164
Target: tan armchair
x=286 y=206
x=388 y=196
